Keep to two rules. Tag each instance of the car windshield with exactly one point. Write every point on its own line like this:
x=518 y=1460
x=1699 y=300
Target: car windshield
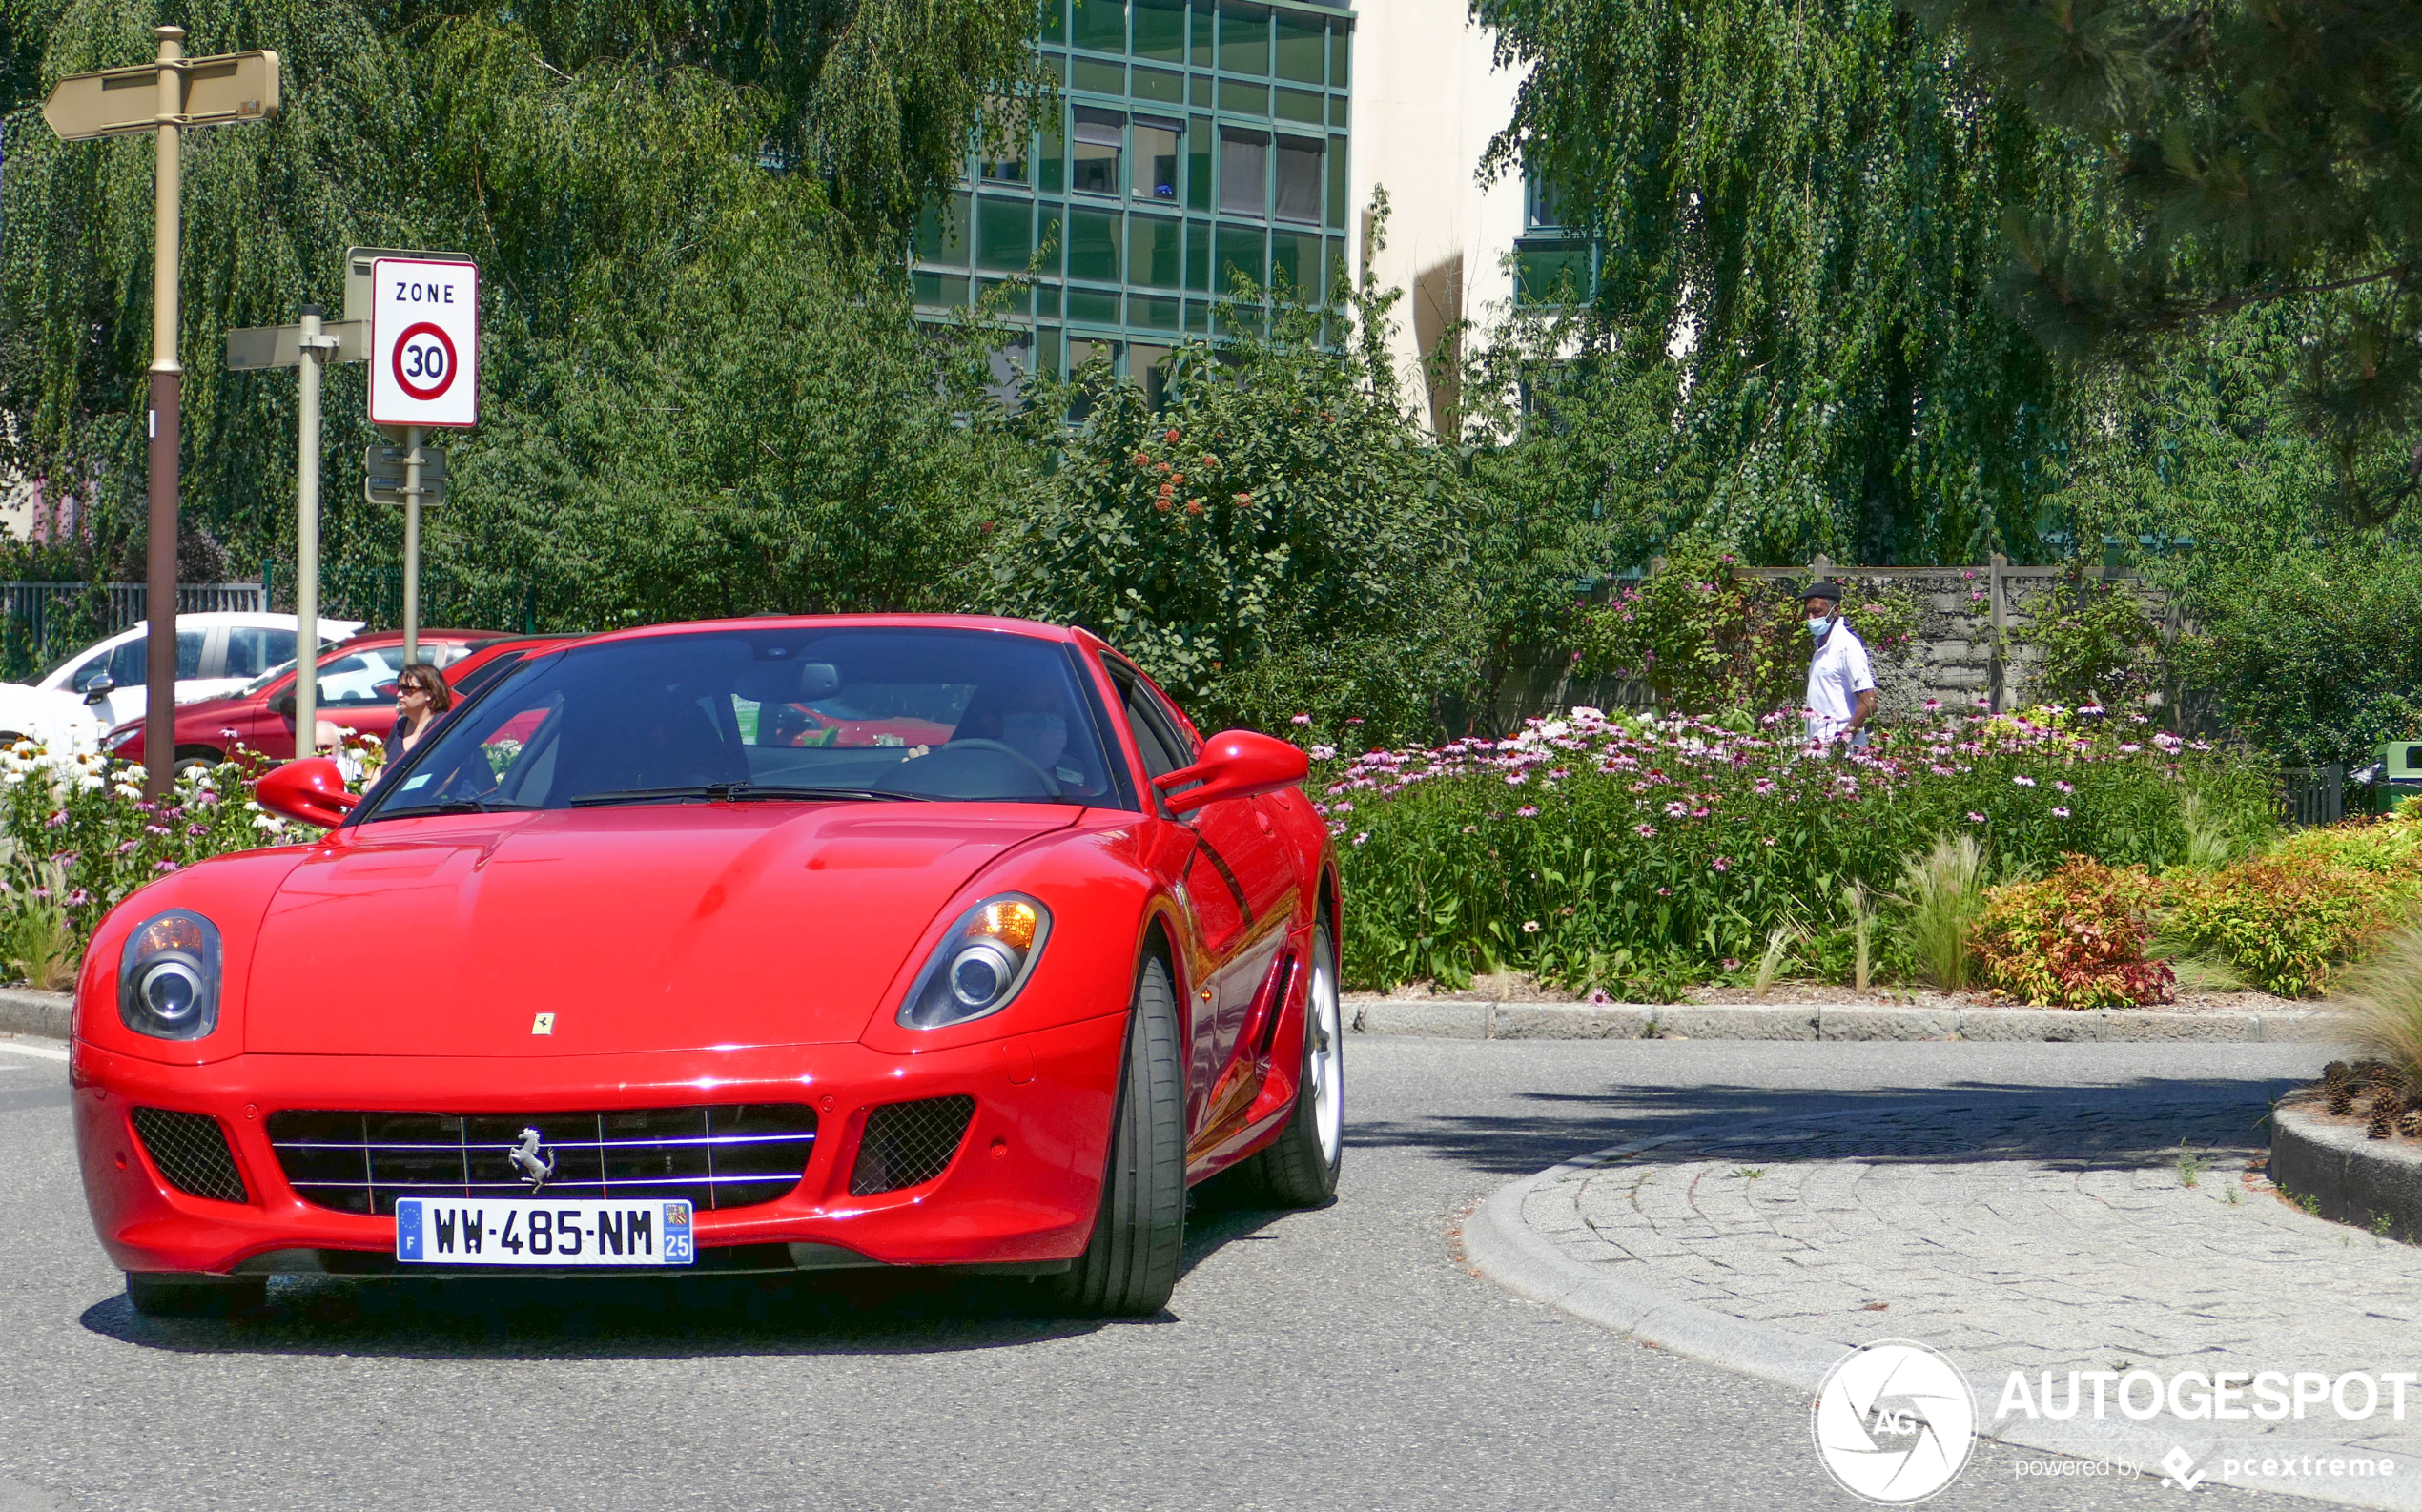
x=781 y=713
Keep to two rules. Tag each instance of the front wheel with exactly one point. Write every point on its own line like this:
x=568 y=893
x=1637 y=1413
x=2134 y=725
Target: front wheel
x=1129 y=1267
x=169 y=1294
x=1300 y=1168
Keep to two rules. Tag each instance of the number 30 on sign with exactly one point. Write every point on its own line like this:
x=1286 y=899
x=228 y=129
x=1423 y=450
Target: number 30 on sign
x=425 y=343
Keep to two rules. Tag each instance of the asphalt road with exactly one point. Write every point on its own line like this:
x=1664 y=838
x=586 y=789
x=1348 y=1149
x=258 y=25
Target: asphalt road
x=1332 y=1358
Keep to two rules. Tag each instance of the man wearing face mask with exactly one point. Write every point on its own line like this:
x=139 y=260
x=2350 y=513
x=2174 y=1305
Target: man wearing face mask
x=1842 y=688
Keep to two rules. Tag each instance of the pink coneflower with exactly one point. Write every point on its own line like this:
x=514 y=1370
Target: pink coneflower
x=1303 y=719
x=2062 y=787
x=2059 y=813
x=1645 y=831
x=2023 y=781
x=1527 y=811
x=1975 y=818
x=1720 y=864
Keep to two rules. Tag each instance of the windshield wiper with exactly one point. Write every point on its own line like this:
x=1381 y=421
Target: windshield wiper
x=742 y=792
x=452 y=805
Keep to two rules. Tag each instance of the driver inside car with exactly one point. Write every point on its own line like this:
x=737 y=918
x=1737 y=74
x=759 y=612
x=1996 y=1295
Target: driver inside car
x=1029 y=718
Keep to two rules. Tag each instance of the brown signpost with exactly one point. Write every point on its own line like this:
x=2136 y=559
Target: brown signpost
x=164 y=97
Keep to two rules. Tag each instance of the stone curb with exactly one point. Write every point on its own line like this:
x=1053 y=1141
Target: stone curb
x=24 y=1012
x=1504 y=1248
x=2352 y=1178
x=1447 y=1019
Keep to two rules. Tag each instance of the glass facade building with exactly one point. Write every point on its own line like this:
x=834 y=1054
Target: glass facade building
x=1194 y=138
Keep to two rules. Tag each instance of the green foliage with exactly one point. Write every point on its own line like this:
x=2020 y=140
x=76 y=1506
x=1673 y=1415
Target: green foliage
x=2075 y=939
x=1578 y=469
x=2238 y=154
x=1806 y=203
x=2096 y=646
x=1277 y=540
x=701 y=387
x=2311 y=648
x=2285 y=923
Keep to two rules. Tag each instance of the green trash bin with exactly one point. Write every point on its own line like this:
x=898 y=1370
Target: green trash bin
x=2400 y=765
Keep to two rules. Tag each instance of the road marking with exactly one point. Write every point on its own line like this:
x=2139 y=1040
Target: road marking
x=37 y=1052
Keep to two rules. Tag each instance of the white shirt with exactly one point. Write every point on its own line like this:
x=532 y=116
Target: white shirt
x=1837 y=675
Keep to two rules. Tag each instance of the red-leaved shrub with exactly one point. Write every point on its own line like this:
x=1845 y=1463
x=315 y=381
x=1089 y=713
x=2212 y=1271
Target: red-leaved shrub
x=2075 y=939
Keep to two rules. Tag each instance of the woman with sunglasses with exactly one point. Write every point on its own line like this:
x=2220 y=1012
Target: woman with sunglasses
x=422 y=696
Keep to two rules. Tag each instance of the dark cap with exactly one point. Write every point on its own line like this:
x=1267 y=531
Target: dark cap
x=1824 y=588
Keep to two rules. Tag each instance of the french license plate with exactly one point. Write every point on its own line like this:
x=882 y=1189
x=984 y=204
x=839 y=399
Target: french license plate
x=449 y=1231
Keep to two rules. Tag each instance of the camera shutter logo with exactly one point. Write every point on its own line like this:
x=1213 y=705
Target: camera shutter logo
x=1894 y=1422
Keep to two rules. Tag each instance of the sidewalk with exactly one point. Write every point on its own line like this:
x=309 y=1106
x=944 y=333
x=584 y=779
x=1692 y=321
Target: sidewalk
x=2065 y=1237
x=1450 y=1018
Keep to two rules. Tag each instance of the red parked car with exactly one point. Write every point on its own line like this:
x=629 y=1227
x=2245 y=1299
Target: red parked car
x=688 y=994
x=356 y=689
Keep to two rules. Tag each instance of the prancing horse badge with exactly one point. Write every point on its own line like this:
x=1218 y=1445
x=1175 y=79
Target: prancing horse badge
x=543 y=1024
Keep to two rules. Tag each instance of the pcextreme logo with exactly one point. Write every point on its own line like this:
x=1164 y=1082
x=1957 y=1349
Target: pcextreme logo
x=1895 y=1422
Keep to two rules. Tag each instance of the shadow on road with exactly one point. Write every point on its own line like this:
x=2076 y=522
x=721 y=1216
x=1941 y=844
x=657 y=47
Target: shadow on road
x=2070 y=1126
x=675 y=1318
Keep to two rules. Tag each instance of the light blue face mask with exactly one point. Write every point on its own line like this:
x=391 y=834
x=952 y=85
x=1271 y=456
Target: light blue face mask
x=1816 y=625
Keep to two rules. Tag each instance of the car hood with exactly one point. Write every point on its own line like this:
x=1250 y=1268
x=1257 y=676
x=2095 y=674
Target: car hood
x=669 y=926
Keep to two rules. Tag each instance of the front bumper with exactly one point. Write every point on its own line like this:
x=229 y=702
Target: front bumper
x=1021 y=1190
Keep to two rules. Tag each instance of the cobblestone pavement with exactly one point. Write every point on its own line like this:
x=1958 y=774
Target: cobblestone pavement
x=2065 y=1237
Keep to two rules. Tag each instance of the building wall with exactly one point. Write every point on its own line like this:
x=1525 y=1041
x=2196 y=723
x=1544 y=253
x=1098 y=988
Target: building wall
x=1427 y=100
x=1403 y=96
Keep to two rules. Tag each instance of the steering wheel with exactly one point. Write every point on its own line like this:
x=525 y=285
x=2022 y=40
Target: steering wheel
x=1051 y=785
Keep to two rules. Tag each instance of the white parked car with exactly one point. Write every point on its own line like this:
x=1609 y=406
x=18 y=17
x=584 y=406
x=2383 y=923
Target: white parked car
x=73 y=705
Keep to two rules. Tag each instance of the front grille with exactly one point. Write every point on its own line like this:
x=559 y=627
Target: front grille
x=726 y=1156
x=909 y=1142
x=191 y=1150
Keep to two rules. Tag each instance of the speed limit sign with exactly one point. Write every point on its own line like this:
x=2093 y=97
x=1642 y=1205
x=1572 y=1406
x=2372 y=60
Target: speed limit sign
x=424 y=342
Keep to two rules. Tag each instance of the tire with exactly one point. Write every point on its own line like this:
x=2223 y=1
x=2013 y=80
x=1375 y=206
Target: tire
x=1130 y=1266
x=1299 y=1169
x=169 y=1294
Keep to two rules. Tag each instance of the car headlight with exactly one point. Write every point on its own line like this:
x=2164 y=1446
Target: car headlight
x=980 y=964
x=167 y=977
x=119 y=739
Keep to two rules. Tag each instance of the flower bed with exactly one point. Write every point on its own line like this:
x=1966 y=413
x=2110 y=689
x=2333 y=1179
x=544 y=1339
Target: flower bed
x=1649 y=856
x=77 y=836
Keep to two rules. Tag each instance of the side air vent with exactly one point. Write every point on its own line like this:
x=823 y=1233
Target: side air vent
x=191 y=1150
x=907 y=1143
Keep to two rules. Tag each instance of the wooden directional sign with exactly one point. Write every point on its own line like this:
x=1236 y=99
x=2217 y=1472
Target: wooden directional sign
x=121 y=102
x=382 y=475
x=266 y=346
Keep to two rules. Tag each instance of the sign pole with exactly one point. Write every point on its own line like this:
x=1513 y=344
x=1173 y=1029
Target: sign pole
x=411 y=544
x=159 y=606
x=313 y=355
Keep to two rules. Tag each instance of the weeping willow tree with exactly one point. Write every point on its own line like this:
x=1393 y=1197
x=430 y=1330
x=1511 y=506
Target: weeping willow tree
x=699 y=359
x=1799 y=205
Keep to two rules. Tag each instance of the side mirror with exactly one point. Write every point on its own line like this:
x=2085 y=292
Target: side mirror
x=312 y=791
x=99 y=688
x=283 y=704
x=1235 y=764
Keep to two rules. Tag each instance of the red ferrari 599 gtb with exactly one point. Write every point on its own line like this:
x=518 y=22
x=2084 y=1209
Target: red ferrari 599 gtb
x=775 y=944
